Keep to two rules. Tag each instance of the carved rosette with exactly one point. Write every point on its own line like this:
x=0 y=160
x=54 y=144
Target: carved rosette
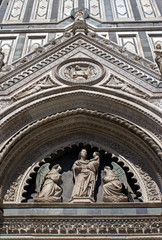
x=83 y=71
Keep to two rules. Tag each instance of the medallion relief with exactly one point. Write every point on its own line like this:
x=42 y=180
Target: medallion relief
x=82 y=71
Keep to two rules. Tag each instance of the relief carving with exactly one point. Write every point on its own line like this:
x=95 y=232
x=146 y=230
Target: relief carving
x=85 y=174
x=42 y=84
x=51 y=179
x=117 y=83
x=80 y=72
x=137 y=58
x=11 y=192
x=153 y=192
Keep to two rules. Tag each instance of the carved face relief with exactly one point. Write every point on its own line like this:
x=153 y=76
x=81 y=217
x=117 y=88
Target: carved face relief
x=83 y=71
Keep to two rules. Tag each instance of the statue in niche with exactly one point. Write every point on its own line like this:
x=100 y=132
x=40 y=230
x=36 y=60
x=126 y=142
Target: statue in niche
x=48 y=184
x=85 y=174
x=112 y=188
x=79 y=72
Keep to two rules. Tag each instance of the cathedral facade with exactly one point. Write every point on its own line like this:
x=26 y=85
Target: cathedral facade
x=80 y=119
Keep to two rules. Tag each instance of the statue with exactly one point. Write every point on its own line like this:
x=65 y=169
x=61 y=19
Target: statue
x=79 y=16
x=158 y=58
x=112 y=188
x=80 y=25
x=85 y=174
x=51 y=180
x=2 y=55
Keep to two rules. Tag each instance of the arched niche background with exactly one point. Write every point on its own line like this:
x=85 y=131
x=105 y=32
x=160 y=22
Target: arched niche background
x=66 y=158
x=105 y=131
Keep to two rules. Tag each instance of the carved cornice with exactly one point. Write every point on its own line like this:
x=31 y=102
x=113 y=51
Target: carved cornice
x=155 y=237
x=82 y=226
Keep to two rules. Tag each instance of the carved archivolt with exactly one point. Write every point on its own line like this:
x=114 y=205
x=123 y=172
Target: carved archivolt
x=126 y=124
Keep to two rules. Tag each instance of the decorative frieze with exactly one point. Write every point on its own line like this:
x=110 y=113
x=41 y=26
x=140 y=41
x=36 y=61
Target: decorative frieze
x=82 y=226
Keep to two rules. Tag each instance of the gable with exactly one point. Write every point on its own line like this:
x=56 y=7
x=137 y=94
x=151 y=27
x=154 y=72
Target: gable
x=135 y=72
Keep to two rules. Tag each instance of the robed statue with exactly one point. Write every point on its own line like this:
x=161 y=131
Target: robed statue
x=79 y=16
x=48 y=184
x=85 y=174
x=114 y=180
